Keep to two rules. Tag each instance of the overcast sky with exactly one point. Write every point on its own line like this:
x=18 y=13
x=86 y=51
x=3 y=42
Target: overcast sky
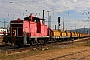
x=75 y=13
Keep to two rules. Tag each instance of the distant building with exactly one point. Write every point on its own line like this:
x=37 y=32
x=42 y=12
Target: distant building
x=2 y=30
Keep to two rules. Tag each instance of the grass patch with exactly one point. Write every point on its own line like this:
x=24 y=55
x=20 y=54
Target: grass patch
x=23 y=54
x=19 y=55
x=51 y=47
x=80 y=44
x=87 y=43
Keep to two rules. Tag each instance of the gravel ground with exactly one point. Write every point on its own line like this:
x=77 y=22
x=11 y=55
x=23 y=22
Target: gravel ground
x=71 y=52
x=74 y=51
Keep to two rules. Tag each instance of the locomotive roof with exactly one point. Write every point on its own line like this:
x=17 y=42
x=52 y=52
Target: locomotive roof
x=15 y=20
x=38 y=18
x=27 y=18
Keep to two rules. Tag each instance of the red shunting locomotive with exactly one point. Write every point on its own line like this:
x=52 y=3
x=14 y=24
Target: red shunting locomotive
x=31 y=30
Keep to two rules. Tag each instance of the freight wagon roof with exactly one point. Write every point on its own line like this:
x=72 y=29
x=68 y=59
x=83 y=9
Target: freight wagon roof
x=56 y=30
x=67 y=31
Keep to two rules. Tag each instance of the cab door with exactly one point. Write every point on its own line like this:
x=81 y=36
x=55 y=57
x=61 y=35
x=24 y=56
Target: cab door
x=14 y=32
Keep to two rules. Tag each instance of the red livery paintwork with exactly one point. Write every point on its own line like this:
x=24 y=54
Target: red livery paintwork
x=32 y=26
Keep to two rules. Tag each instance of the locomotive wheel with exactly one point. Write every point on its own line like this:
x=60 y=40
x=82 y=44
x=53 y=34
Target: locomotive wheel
x=42 y=42
x=6 y=41
x=33 y=43
x=45 y=41
x=53 y=40
x=20 y=45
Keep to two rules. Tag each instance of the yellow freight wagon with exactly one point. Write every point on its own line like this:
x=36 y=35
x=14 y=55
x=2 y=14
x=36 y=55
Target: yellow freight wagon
x=56 y=32
x=76 y=34
x=73 y=34
x=68 y=33
x=81 y=34
x=63 y=33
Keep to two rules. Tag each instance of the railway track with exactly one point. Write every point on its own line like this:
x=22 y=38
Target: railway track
x=78 y=55
x=10 y=50
x=71 y=42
